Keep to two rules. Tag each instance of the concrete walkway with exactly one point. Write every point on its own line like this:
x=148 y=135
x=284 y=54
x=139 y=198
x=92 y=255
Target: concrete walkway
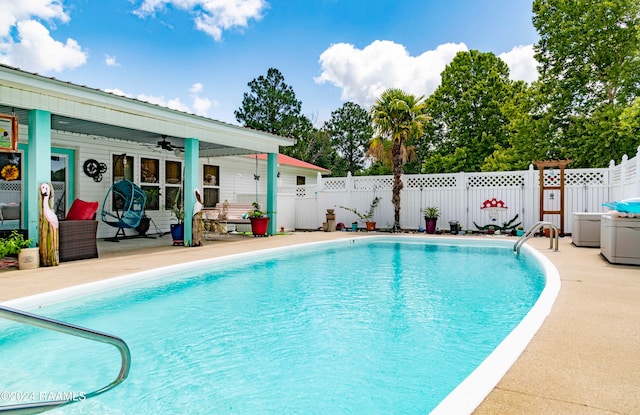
x=584 y=360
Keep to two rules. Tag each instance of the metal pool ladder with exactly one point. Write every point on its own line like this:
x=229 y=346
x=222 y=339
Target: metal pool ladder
x=532 y=230
x=66 y=328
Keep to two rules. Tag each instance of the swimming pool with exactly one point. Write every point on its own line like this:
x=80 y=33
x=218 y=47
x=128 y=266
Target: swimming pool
x=319 y=329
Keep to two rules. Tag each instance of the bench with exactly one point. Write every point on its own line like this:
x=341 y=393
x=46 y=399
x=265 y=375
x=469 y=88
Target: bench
x=215 y=220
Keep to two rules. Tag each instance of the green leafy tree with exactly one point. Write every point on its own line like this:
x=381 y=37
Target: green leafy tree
x=314 y=146
x=589 y=55
x=271 y=106
x=398 y=118
x=350 y=131
x=527 y=132
x=468 y=123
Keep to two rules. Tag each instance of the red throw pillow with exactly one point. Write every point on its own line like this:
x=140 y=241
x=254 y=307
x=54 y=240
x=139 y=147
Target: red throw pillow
x=81 y=210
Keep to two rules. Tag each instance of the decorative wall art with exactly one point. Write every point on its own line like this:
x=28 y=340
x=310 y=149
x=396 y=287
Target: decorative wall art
x=94 y=169
x=8 y=133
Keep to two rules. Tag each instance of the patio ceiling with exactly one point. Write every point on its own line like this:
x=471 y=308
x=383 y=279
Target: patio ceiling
x=95 y=113
x=93 y=129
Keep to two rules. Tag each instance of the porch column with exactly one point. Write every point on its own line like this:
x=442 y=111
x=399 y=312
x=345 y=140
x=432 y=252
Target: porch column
x=39 y=168
x=191 y=155
x=272 y=192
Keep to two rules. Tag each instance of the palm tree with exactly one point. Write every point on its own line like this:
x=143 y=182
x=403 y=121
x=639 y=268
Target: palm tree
x=398 y=118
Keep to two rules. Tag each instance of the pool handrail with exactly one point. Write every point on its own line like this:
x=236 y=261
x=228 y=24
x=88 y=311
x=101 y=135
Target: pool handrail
x=66 y=328
x=553 y=236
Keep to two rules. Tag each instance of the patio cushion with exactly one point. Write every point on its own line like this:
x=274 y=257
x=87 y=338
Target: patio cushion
x=81 y=210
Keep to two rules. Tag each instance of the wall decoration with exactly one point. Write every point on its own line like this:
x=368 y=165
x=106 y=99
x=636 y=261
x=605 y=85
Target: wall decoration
x=10 y=172
x=494 y=207
x=8 y=133
x=94 y=169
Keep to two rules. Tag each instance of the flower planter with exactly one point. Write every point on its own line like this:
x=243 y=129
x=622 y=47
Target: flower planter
x=177 y=233
x=143 y=226
x=431 y=225
x=259 y=226
x=371 y=226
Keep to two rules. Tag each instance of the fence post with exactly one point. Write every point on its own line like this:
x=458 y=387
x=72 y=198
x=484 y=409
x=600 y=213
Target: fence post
x=530 y=209
x=461 y=203
x=319 y=196
x=637 y=178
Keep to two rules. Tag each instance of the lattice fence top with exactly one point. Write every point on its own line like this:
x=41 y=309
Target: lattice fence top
x=12 y=186
x=373 y=183
x=432 y=181
x=334 y=184
x=593 y=178
x=58 y=187
x=496 y=180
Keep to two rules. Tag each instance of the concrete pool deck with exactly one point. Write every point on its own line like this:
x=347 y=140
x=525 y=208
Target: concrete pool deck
x=583 y=360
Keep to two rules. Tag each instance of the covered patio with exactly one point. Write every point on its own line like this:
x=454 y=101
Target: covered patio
x=88 y=124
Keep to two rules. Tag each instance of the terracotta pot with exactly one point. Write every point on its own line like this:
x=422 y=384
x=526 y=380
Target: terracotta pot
x=371 y=226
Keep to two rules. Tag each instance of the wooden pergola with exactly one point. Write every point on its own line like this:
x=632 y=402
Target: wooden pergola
x=553 y=164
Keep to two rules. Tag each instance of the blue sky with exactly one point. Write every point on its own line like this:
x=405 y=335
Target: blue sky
x=198 y=55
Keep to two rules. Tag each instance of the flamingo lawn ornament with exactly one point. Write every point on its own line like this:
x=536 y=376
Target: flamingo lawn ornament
x=48 y=227
x=196 y=222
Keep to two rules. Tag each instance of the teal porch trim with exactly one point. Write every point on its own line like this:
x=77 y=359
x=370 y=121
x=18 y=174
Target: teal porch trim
x=39 y=166
x=272 y=192
x=191 y=163
x=70 y=178
x=70 y=195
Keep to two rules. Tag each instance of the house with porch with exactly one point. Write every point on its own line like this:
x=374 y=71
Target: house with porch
x=82 y=140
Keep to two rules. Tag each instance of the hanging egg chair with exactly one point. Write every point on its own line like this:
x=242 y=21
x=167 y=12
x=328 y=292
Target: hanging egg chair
x=127 y=202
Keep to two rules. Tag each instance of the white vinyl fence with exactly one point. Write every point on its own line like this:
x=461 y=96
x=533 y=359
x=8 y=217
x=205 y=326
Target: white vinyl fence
x=460 y=196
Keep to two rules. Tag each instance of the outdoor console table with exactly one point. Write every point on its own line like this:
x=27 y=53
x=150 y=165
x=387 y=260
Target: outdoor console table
x=620 y=239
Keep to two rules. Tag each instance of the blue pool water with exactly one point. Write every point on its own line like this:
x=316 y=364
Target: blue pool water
x=365 y=326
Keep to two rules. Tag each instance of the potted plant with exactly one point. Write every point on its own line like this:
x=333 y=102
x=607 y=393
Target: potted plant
x=17 y=246
x=177 y=229
x=368 y=215
x=431 y=215
x=259 y=220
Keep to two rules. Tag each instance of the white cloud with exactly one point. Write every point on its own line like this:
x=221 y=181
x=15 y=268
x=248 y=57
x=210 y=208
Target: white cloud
x=196 y=88
x=13 y=11
x=522 y=63
x=37 y=51
x=111 y=60
x=33 y=48
x=211 y=16
x=364 y=74
x=200 y=105
x=117 y=91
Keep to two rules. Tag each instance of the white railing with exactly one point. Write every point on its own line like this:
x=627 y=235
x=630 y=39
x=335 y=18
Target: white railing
x=460 y=196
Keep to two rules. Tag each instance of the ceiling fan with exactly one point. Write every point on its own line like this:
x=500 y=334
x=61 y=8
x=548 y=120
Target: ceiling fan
x=166 y=145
